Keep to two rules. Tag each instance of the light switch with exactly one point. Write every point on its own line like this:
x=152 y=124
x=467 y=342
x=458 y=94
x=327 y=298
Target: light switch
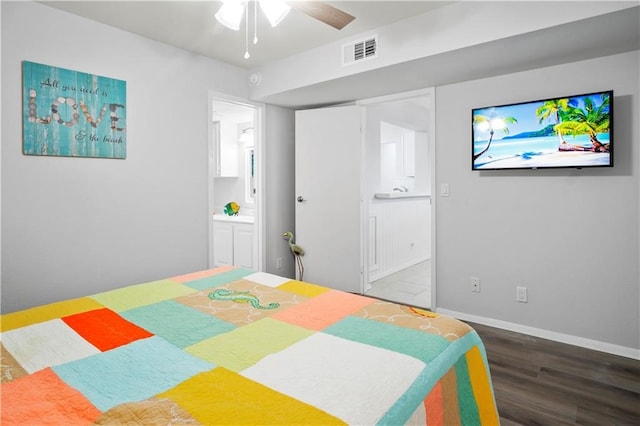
x=444 y=189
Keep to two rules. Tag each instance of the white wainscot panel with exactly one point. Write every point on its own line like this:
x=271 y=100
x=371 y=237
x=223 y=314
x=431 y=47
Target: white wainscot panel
x=399 y=235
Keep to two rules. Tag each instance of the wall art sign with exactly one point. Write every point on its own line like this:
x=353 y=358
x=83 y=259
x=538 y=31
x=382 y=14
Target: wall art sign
x=72 y=114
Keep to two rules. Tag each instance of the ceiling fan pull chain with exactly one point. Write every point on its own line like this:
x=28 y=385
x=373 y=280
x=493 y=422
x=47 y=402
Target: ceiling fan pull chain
x=246 y=33
x=255 y=22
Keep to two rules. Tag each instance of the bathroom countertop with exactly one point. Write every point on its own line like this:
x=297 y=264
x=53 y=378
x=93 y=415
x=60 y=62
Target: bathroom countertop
x=236 y=219
x=393 y=195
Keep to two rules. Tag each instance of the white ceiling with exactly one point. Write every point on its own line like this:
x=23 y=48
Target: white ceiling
x=191 y=25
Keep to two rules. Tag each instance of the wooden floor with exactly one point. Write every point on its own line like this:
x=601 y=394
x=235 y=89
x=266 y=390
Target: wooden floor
x=541 y=382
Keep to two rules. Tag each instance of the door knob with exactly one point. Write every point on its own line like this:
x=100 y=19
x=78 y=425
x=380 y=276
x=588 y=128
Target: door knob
x=300 y=199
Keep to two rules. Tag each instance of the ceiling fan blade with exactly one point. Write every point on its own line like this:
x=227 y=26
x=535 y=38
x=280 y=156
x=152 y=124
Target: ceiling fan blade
x=323 y=12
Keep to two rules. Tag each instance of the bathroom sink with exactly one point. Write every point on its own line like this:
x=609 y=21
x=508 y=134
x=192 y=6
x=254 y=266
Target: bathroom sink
x=396 y=194
x=236 y=219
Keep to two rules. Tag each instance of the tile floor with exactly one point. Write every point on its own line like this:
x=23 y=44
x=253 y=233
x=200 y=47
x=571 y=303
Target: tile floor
x=411 y=286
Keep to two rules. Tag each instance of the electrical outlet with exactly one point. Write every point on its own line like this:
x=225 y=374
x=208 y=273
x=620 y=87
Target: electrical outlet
x=475 y=284
x=278 y=263
x=521 y=294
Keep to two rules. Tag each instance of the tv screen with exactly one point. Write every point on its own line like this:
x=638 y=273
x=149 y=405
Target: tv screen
x=570 y=131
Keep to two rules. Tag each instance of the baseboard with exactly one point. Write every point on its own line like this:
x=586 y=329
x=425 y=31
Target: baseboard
x=546 y=334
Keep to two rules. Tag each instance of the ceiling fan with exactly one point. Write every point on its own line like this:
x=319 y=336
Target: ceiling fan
x=231 y=12
x=323 y=12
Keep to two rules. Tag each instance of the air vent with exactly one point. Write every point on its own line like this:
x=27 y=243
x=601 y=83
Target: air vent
x=360 y=50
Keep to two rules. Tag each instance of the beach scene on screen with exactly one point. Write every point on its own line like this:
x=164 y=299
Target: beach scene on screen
x=563 y=132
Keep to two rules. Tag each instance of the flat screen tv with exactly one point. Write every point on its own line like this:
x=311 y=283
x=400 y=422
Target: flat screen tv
x=571 y=131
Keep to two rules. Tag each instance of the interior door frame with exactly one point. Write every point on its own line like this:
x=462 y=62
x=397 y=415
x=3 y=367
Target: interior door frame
x=430 y=93
x=258 y=135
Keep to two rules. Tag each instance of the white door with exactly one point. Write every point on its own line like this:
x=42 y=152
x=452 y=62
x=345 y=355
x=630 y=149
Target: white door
x=328 y=155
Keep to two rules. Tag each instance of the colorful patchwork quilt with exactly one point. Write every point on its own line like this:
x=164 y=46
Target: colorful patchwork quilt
x=232 y=346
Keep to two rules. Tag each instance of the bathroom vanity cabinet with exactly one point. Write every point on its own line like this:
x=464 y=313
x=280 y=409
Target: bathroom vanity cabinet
x=234 y=242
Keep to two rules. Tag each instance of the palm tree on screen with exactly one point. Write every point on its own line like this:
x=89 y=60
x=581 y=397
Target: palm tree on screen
x=591 y=120
x=492 y=124
x=551 y=109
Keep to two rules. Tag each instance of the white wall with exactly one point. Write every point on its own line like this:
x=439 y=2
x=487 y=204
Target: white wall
x=75 y=226
x=570 y=236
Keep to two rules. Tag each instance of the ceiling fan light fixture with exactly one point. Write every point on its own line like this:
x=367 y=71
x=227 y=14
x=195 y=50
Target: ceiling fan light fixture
x=274 y=10
x=230 y=14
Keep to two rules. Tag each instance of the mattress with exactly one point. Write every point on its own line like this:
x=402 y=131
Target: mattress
x=234 y=346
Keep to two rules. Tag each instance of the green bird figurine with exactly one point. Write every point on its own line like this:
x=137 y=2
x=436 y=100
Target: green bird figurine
x=297 y=251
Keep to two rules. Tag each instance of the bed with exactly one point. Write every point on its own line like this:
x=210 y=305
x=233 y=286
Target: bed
x=233 y=346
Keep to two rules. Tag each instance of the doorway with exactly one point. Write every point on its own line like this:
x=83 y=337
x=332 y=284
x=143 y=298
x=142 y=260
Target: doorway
x=399 y=177
x=235 y=183
x=345 y=220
